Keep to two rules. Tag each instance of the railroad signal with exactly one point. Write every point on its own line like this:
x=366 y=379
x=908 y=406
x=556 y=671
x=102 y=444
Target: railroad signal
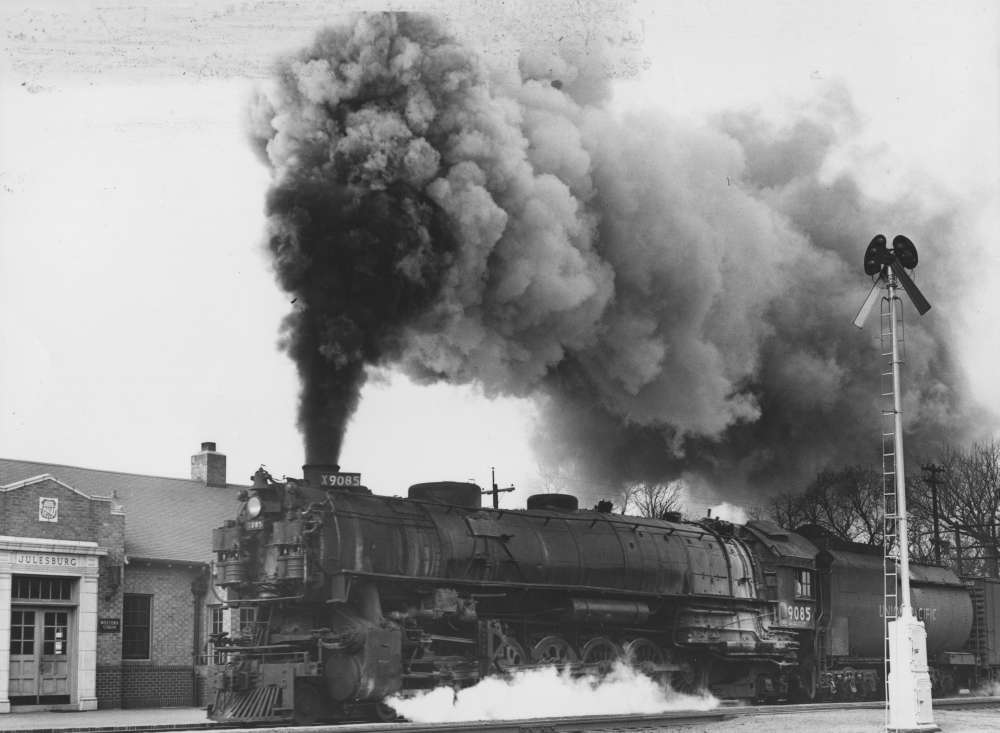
x=883 y=263
x=908 y=687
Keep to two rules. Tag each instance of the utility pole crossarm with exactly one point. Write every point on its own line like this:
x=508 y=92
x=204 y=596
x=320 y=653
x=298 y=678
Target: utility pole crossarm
x=496 y=491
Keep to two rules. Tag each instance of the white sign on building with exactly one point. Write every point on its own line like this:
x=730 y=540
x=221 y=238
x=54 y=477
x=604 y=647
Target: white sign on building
x=48 y=509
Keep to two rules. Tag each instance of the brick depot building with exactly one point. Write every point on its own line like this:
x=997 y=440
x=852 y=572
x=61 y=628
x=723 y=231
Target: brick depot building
x=105 y=599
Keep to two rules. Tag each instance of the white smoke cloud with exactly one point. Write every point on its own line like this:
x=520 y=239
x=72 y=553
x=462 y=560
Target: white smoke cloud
x=546 y=692
x=729 y=512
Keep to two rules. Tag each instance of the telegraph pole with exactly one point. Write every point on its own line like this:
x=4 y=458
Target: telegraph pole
x=934 y=470
x=496 y=491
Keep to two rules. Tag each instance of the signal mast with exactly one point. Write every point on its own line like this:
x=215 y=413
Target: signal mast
x=908 y=684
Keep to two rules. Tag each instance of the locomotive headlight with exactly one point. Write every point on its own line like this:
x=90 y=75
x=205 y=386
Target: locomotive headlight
x=254 y=507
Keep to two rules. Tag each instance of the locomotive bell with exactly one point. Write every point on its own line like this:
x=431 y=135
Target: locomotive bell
x=260 y=479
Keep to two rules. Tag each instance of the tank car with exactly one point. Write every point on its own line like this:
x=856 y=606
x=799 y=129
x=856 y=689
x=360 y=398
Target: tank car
x=850 y=641
x=350 y=597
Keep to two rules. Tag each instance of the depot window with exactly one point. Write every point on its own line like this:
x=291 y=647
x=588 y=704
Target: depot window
x=803 y=584
x=217 y=626
x=41 y=588
x=249 y=628
x=137 y=614
x=218 y=621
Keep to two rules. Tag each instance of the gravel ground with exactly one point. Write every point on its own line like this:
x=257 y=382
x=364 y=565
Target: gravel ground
x=855 y=721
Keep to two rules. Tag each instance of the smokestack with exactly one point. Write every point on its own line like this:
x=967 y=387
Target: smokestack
x=208 y=466
x=319 y=474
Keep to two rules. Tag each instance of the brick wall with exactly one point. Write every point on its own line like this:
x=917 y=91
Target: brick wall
x=110 y=587
x=109 y=685
x=172 y=633
x=168 y=677
x=80 y=517
x=151 y=686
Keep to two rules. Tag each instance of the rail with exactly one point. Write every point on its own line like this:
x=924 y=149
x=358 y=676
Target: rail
x=536 y=725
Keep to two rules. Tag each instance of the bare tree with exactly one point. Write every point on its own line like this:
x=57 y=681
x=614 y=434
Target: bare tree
x=557 y=479
x=648 y=499
x=569 y=479
x=788 y=509
x=846 y=502
x=921 y=527
x=968 y=506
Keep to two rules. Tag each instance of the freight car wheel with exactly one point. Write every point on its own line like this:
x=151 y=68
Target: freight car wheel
x=947 y=684
x=643 y=654
x=553 y=650
x=600 y=651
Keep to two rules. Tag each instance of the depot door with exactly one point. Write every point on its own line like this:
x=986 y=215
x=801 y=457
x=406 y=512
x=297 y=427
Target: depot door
x=39 y=656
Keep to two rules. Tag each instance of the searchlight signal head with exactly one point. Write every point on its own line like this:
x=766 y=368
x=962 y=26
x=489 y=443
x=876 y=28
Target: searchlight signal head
x=879 y=260
x=876 y=255
x=905 y=251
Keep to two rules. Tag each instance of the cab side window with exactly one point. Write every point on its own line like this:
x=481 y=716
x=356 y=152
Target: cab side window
x=803 y=583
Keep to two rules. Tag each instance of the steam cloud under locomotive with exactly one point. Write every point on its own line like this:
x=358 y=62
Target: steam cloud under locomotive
x=677 y=297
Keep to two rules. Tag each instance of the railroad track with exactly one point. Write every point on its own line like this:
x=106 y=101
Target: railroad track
x=570 y=724
x=678 y=720
x=939 y=703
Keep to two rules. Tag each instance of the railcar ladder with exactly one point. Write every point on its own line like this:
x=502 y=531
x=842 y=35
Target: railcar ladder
x=978 y=639
x=890 y=515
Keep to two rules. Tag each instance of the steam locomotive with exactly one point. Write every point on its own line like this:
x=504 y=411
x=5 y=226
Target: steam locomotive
x=346 y=598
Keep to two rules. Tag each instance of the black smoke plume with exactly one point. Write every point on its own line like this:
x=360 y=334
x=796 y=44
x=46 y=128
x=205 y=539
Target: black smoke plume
x=679 y=299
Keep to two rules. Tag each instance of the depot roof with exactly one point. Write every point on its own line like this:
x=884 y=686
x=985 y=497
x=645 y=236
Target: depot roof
x=167 y=519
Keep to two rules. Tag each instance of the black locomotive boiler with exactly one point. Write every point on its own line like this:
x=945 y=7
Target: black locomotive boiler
x=346 y=598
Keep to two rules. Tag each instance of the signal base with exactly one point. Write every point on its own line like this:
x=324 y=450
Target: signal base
x=909 y=685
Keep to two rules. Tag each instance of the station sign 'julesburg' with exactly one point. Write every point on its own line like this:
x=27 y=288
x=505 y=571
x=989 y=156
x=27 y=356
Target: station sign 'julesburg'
x=30 y=558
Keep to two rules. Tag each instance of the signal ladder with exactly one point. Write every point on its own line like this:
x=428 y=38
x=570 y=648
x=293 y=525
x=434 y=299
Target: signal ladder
x=890 y=512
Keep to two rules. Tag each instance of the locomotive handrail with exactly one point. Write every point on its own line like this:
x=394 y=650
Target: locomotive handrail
x=259 y=649
x=597 y=590
x=236 y=603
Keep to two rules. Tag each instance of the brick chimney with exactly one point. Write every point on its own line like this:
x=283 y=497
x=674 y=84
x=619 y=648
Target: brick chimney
x=208 y=466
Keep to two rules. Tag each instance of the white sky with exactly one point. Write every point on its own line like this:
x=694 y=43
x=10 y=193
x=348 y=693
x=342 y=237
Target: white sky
x=138 y=316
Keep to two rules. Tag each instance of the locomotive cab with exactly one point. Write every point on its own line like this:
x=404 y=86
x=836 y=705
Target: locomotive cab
x=789 y=568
